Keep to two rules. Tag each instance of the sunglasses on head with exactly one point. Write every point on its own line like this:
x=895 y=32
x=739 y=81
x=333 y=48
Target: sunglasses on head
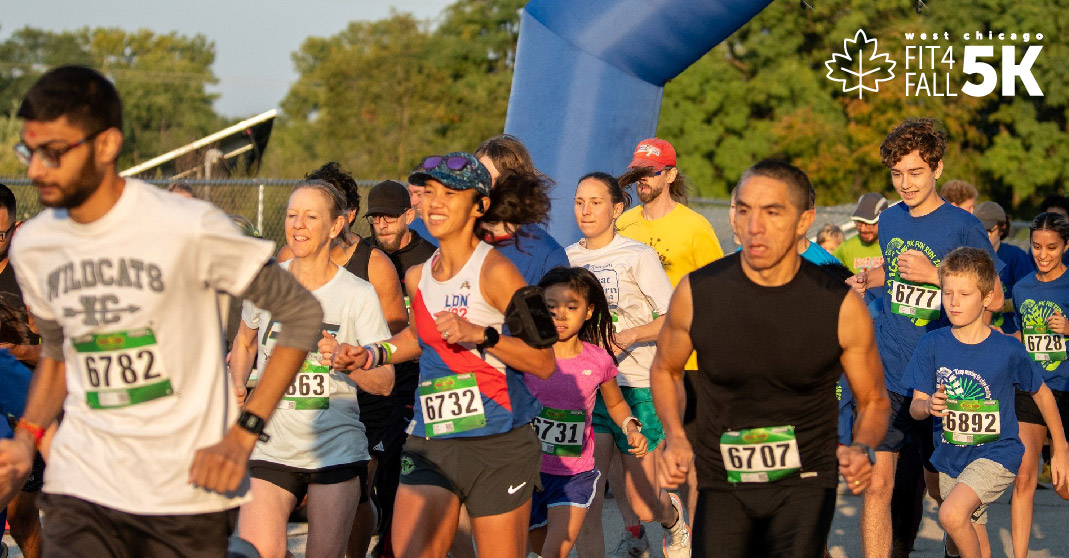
x=453 y=163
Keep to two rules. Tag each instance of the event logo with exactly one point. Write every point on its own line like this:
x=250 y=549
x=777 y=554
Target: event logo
x=861 y=54
x=937 y=66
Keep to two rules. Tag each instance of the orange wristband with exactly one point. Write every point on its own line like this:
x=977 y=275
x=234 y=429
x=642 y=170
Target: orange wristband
x=36 y=431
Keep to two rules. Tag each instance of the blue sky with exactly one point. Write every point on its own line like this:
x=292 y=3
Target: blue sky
x=253 y=38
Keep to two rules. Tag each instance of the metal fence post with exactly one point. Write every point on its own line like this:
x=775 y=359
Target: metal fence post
x=260 y=209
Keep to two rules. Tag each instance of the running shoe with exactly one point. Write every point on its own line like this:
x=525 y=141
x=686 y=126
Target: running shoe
x=677 y=537
x=631 y=547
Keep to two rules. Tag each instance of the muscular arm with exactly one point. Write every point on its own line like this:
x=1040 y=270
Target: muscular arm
x=383 y=276
x=861 y=362
x=666 y=384
x=499 y=280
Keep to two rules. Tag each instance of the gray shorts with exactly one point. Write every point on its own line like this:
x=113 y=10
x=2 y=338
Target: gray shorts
x=986 y=478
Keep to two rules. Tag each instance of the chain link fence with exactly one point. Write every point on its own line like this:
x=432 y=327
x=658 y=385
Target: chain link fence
x=263 y=203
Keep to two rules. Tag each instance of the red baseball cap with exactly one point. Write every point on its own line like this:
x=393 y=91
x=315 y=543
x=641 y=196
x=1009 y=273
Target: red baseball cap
x=654 y=153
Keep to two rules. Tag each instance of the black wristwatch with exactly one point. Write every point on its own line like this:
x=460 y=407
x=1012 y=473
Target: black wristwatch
x=253 y=424
x=491 y=337
x=868 y=451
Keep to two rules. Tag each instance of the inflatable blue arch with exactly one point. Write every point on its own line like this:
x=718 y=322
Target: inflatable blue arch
x=589 y=77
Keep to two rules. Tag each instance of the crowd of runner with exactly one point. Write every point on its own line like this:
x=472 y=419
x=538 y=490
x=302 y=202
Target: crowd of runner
x=458 y=383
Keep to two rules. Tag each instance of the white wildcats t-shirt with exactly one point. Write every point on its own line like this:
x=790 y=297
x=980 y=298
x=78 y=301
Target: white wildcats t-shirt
x=317 y=423
x=638 y=290
x=135 y=293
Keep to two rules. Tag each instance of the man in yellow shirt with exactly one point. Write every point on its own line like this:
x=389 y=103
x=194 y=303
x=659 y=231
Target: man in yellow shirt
x=682 y=237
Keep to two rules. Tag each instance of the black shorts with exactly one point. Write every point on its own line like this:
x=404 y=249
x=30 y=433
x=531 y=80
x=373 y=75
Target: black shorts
x=902 y=429
x=1028 y=411
x=772 y=521
x=296 y=481
x=491 y=475
x=36 y=480
x=76 y=528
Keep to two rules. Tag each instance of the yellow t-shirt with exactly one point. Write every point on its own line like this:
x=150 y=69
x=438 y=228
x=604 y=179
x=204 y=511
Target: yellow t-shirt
x=683 y=239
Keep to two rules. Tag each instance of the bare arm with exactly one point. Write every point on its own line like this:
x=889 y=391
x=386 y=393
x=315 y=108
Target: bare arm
x=405 y=342
x=640 y=334
x=383 y=276
x=242 y=355
x=499 y=280
x=620 y=413
x=1059 y=450
x=864 y=371
x=666 y=383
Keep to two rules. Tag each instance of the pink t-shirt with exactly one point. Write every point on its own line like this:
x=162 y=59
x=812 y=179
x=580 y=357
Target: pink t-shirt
x=569 y=391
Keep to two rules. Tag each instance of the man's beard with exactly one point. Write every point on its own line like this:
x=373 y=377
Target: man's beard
x=392 y=244
x=647 y=197
x=86 y=183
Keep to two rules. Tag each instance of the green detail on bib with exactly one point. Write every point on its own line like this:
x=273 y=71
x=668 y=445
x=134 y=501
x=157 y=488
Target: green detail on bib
x=919 y=302
x=120 y=368
x=407 y=466
x=309 y=390
x=451 y=404
x=760 y=454
x=972 y=422
x=561 y=431
x=1042 y=344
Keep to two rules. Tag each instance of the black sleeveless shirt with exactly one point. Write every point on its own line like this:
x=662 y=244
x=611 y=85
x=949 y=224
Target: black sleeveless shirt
x=767 y=357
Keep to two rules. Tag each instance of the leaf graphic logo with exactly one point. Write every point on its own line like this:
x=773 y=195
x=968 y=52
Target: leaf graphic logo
x=856 y=71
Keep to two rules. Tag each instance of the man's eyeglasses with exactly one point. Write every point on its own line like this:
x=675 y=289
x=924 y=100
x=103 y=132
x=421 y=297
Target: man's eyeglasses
x=372 y=219
x=49 y=156
x=5 y=234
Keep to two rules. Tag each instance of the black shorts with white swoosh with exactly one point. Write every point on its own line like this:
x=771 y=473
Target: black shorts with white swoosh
x=491 y=475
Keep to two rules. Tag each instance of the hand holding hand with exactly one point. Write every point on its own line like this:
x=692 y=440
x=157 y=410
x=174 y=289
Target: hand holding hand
x=326 y=347
x=348 y=357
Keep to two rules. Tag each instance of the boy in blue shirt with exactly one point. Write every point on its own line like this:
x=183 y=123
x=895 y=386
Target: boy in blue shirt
x=966 y=377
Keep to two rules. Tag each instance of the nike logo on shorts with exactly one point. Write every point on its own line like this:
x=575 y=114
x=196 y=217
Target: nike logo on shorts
x=515 y=489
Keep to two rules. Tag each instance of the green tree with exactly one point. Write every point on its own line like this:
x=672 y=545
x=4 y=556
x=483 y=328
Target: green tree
x=162 y=79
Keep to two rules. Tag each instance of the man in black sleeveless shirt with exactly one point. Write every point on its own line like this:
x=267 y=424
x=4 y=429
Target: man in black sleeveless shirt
x=777 y=334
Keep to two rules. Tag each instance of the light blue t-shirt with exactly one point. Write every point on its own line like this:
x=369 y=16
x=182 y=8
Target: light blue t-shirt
x=990 y=370
x=1035 y=301
x=420 y=227
x=814 y=253
x=936 y=235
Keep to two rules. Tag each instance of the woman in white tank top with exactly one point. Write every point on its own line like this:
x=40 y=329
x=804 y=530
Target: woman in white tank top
x=317 y=445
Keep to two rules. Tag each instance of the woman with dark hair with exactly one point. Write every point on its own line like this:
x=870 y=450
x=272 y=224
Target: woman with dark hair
x=638 y=292
x=471 y=442
x=1042 y=304
x=519 y=205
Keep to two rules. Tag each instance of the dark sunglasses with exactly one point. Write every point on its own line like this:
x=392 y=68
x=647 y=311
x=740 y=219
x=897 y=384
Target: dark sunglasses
x=453 y=163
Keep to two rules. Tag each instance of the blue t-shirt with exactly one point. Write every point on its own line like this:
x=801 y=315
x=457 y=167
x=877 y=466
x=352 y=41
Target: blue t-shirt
x=1018 y=266
x=814 y=253
x=992 y=369
x=936 y=235
x=14 y=386
x=1035 y=301
x=420 y=227
x=533 y=253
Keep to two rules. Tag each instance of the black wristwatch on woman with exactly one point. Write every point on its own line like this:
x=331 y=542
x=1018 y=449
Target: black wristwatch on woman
x=490 y=338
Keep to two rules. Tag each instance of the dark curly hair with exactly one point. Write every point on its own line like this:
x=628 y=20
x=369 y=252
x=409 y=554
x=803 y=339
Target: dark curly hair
x=332 y=174
x=598 y=329
x=924 y=135
x=517 y=198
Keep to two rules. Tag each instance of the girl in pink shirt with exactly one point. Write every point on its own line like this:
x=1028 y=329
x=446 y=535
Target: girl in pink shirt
x=584 y=325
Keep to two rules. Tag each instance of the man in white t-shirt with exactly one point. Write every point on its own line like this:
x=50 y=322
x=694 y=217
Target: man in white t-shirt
x=121 y=278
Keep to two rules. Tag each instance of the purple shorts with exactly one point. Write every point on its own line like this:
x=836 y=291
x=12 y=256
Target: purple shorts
x=563 y=490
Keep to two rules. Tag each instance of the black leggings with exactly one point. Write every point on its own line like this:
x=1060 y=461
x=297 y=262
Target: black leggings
x=772 y=521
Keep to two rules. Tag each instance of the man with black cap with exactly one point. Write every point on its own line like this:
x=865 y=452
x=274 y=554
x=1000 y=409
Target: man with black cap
x=389 y=214
x=862 y=252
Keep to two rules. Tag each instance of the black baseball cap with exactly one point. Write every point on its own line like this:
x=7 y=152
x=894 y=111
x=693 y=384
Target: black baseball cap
x=388 y=198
